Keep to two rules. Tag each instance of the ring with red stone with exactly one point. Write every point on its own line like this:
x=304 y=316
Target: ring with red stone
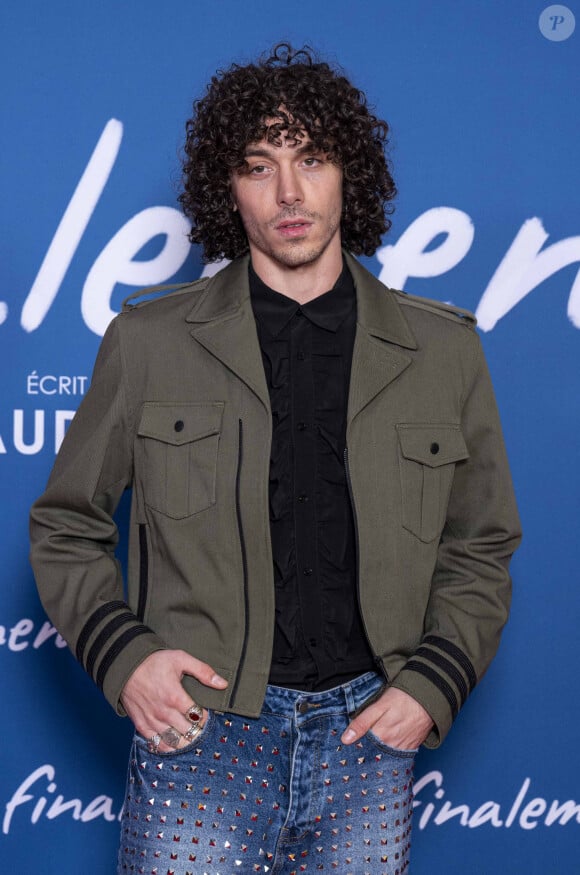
x=194 y=713
x=153 y=743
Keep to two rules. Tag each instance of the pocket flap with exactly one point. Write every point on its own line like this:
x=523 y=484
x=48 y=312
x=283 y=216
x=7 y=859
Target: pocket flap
x=180 y=423
x=432 y=444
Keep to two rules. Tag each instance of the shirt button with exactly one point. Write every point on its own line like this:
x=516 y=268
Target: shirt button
x=302 y=498
x=179 y=425
x=301 y=355
x=307 y=572
x=434 y=448
x=313 y=642
x=301 y=426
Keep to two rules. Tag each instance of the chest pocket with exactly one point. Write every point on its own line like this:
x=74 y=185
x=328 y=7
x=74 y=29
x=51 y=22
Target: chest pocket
x=179 y=448
x=427 y=457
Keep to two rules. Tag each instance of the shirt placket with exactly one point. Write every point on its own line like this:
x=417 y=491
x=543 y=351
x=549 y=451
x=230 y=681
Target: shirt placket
x=304 y=483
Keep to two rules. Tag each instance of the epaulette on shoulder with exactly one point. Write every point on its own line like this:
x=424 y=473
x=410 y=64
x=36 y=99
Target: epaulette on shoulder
x=155 y=293
x=448 y=311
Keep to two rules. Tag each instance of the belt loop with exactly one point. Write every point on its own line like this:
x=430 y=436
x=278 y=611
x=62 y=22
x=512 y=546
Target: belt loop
x=349 y=698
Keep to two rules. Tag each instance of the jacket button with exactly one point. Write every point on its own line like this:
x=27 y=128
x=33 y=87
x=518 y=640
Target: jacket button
x=434 y=449
x=302 y=498
x=307 y=572
x=179 y=425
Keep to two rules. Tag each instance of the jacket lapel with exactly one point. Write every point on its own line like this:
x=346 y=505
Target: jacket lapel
x=382 y=333
x=224 y=324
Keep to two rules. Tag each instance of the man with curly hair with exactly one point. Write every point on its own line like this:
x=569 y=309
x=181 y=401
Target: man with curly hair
x=322 y=516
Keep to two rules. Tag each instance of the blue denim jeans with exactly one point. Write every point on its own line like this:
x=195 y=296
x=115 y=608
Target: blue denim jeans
x=278 y=794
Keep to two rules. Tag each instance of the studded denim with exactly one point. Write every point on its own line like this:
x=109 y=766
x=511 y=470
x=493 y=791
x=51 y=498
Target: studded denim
x=278 y=794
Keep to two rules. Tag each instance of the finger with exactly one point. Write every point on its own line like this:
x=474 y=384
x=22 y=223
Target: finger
x=180 y=720
x=362 y=723
x=195 y=729
x=200 y=670
x=155 y=742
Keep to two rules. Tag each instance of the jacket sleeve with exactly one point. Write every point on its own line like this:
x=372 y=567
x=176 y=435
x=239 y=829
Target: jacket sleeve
x=74 y=536
x=471 y=587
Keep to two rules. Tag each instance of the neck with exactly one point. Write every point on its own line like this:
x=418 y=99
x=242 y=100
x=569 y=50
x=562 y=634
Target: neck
x=304 y=282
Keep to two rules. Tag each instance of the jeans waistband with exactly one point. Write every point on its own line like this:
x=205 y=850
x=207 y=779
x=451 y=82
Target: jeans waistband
x=347 y=698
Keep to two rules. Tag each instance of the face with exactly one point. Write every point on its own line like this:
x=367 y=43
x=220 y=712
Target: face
x=290 y=202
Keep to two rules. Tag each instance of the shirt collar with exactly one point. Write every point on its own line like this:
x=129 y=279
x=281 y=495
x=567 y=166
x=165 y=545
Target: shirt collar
x=328 y=310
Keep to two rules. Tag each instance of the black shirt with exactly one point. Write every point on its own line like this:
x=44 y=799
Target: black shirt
x=319 y=640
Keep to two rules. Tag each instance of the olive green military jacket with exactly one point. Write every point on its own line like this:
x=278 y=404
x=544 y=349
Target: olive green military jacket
x=179 y=410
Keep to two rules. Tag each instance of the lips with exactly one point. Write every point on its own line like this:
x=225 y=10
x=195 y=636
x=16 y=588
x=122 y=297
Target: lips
x=293 y=228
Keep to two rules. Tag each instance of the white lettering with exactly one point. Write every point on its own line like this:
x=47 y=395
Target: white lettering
x=562 y=813
x=447 y=812
x=23 y=627
x=53 y=385
x=48 y=380
x=525 y=266
x=47 y=631
x=535 y=808
x=64 y=385
x=431 y=777
x=32 y=383
x=100 y=806
x=62 y=417
x=42 y=435
x=72 y=226
x=21 y=797
x=488 y=812
x=518 y=803
x=59 y=806
x=411 y=256
x=38 y=442
x=116 y=263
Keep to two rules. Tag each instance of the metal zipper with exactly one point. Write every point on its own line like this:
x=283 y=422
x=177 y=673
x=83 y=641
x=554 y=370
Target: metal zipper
x=376 y=659
x=244 y=566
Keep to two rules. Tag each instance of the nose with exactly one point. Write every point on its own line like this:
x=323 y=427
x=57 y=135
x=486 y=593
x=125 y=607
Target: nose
x=289 y=186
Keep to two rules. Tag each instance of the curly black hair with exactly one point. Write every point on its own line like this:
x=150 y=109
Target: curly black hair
x=306 y=96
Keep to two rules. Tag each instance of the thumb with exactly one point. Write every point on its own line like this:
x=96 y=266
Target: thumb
x=203 y=672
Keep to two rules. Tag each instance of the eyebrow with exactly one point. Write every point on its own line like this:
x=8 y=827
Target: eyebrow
x=260 y=152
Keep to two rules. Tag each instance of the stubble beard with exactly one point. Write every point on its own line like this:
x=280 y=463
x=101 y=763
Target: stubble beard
x=295 y=252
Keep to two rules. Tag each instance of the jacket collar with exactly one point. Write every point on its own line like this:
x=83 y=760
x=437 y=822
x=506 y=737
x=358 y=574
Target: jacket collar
x=223 y=322
x=378 y=311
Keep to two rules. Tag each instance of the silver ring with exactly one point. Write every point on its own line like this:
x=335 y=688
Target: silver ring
x=171 y=737
x=194 y=713
x=153 y=743
x=192 y=732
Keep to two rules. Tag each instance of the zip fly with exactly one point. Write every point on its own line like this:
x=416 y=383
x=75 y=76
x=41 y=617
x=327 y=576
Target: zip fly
x=377 y=660
x=244 y=565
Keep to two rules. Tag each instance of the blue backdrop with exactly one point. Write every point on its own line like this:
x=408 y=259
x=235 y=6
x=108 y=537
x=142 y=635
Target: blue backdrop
x=483 y=103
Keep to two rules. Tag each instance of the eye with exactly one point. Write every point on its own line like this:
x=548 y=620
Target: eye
x=312 y=161
x=258 y=169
